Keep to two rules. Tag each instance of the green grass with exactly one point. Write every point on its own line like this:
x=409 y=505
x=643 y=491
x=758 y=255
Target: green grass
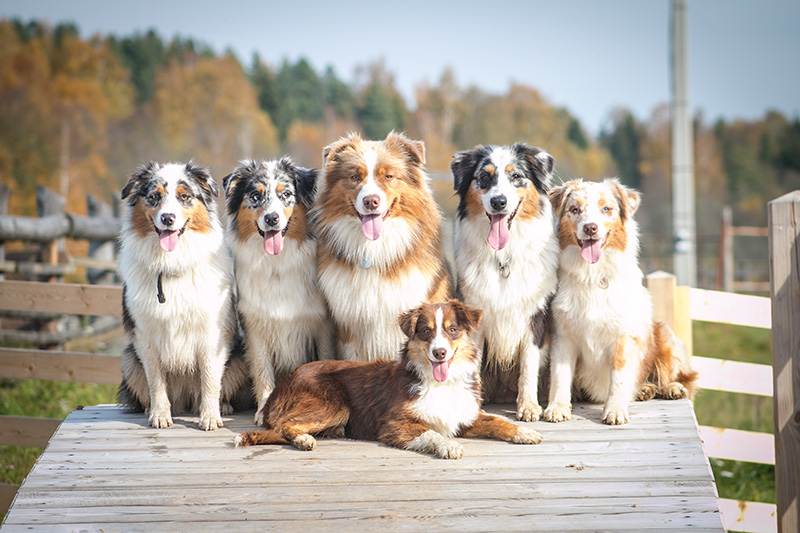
x=736 y=480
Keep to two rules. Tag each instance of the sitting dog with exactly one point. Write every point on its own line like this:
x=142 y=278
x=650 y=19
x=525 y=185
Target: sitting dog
x=282 y=312
x=177 y=297
x=506 y=260
x=379 y=252
x=422 y=401
x=606 y=344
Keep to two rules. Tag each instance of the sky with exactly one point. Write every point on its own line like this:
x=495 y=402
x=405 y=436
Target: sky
x=587 y=56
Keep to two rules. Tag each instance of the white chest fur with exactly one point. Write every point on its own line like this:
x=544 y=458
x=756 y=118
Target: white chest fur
x=446 y=407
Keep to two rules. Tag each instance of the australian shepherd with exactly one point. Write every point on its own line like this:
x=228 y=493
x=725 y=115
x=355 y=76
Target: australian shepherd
x=606 y=344
x=378 y=241
x=283 y=314
x=177 y=297
x=421 y=402
x=507 y=261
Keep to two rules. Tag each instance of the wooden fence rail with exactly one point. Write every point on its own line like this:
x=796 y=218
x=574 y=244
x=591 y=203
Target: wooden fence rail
x=50 y=228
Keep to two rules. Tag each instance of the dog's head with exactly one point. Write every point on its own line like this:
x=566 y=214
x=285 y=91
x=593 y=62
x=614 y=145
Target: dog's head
x=168 y=200
x=366 y=179
x=501 y=183
x=439 y=342
x=594 y=216
x=265 y=198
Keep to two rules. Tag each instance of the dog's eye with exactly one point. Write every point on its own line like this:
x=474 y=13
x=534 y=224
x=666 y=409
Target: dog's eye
x=153 y=197
x=355 y=178
x=388 y=177
x=424 y=331
x=516 y=176
x=575 y=210
x=452 y=330
x=606 y=210
x=255 y=197
x=183 y=197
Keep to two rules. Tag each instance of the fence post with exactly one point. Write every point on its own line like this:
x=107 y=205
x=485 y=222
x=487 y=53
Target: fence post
x=671 y=305
x=100 y=250
x=784 y=269
x=4 y=193
x=725 y=275
x=49 y=203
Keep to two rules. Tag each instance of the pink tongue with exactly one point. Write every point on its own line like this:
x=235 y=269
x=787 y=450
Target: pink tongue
x=498 y=232
x=168 y=240
x=590 y=251
x=372 y=225
x=273 y=242
x=440 y=371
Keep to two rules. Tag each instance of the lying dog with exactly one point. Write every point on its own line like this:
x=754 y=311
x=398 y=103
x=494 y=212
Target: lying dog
x=379 y=250
x=606 y=343
x=506 y=260
x=422 y=401
x=282 y=311
x=177 y=297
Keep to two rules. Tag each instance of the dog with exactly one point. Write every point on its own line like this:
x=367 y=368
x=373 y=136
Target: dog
x=283 y=313
x=506 y=254
x=420 y=402
x=378 y=241
x=606 y=344
x=177 y=300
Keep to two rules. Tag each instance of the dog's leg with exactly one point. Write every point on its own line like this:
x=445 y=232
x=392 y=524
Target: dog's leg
x=300 y=432
x=413 y=435
x=625 y=362
x=159 y=415
x=564 y=354
x=326 y=344
x=262 y=372
x=488 y=426
x=528 y=408
x=211 y=368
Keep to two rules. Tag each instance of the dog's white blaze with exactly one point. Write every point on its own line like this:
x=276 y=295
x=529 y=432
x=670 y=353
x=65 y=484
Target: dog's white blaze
x=501 y=157
x=172 y=174
x=592 y=212
x=440 y=340
x=370 y=186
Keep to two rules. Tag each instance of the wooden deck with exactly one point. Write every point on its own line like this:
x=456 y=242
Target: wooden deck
x=106 y=470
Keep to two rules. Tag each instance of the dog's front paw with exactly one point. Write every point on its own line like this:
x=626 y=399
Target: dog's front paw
x=304 y=442
x=527 y=436
x=258 y=419
x=676 y=391
x=647 y=392
x=160 y=418
x=210 y=421
x=450 y=449
x=528 y=411
x=615 y=414
x=558 y=412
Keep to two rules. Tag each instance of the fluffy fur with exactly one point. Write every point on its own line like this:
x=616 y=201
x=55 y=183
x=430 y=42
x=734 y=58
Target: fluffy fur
x=282 y=311
x=606 y=343
x=419 y=403
x=378 y=241
x=172 y=246
x=511 y=273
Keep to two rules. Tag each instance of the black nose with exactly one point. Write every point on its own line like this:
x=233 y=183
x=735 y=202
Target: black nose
x=590 y=229
x=271 y=219
x=167 y=219
x=440 y=353
x=499 y=202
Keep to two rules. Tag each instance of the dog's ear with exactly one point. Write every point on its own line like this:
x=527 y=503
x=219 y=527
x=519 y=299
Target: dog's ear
x=332 y=151
x=539 y=163
x=463 y=166
x=469 y=317
x=559 y=195
x=137 y=180
x=305 y=180
x=413 y=150
x=229 y=182
x=202 y=177
x=628 y=199
x=408 y=322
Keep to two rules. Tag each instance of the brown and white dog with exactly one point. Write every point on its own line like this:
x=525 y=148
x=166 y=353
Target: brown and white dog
x=421 y=402
x=282 y=312
x=177 y=297
x=606 y=344
x=378 y=241
x=506 y=263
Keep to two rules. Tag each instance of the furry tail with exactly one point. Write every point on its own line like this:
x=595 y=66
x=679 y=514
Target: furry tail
x=670 y=363
x=264 y=436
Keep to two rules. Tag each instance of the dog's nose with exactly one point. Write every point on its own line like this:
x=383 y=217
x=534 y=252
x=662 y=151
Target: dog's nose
x=590 y=229
x=440 y=353
x=271 y=219
x=499 y=202
x=168 y=219
x=372 y=201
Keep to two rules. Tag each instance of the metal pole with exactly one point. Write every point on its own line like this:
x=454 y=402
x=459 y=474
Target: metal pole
x=685 y=261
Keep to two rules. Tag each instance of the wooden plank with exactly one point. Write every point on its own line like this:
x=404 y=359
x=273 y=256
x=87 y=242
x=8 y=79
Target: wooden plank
x=738 y=515
x=733 y=376
x=784 y=266
x=26 y=430
x=75 y=367
x=738 y=445
x=67 y=298
x=730 y=308
x=7 y=493
x=750 y=231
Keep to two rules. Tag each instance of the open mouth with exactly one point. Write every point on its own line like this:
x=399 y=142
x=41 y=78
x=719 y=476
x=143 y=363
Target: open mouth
x=273 y=239
x=168 y=238
x=372 y=224
x=591 y=250
x=440 y=369
x=499 y=229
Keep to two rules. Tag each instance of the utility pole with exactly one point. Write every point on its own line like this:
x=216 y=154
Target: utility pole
x=683 y=220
